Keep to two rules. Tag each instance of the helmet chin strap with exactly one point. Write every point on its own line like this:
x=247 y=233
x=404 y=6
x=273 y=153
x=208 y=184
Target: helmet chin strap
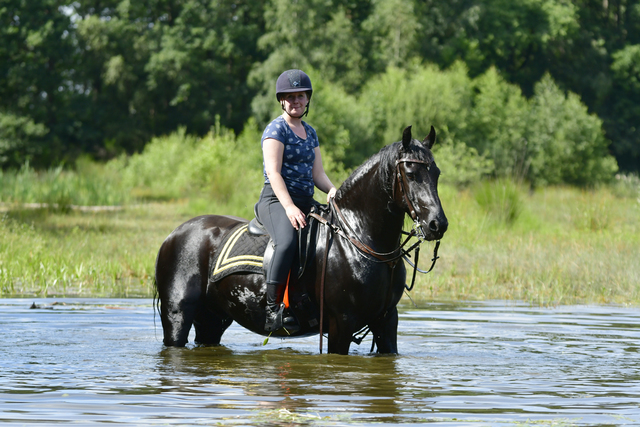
x=306 y=111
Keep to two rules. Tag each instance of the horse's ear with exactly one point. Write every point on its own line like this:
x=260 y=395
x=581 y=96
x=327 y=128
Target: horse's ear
x=430 y=139
x=406 y=137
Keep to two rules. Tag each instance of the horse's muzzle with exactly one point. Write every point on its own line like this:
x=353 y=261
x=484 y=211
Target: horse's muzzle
x=436 y=227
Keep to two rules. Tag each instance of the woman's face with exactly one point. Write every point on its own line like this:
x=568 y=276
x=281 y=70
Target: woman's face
x=294 y=103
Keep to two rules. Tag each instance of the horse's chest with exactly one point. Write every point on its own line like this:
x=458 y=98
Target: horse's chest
x=372 y=281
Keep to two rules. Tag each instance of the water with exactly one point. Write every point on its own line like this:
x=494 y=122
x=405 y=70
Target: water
x=94 y=362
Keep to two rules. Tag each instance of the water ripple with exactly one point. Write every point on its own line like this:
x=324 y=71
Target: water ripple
x=97 y=362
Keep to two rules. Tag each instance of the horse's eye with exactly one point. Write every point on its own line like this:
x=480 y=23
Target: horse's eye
x=410 y=169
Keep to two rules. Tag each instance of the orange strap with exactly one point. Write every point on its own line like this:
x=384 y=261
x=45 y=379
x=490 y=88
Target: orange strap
x=285 y=299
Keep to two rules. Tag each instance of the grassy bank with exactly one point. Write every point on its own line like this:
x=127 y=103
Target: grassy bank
x=567 y=246
x=551 y=246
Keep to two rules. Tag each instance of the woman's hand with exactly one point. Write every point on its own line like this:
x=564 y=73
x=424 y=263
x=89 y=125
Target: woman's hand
x=331 y=194
x=296 y=216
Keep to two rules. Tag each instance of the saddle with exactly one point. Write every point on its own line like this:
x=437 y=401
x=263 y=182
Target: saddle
x=249 y=249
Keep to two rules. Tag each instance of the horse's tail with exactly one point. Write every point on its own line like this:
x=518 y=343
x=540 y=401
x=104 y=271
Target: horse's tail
x=156 y=302
x=156 y=299
x=156 y=295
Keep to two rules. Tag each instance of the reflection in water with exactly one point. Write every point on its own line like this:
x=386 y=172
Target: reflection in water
x=98 y=362
x=286 y=379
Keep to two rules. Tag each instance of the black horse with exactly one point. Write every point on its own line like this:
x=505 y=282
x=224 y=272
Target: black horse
x=358 y=282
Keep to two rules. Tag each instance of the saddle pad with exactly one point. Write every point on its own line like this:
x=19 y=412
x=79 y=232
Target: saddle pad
x=241 y=253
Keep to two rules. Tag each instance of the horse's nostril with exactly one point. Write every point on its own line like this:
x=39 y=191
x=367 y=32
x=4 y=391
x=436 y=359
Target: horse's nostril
x=433 y=225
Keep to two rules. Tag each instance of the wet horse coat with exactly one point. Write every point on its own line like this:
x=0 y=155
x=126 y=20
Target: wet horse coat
x=362 y=287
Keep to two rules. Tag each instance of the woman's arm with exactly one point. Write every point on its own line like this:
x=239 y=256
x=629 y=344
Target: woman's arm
x=320 y=178
x=272 y=152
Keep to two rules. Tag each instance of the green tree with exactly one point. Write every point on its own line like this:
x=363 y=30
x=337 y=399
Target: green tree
x=565 y=143
x=519 y=38
x=420 y=96
x=594 y=64
x=316 y=34
x=393 y=28
x=37 y=95
x=152 y=67
x=497 y=124
x=622 y=122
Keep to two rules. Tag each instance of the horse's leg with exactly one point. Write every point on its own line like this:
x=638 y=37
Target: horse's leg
x=339 y=337
x=385 y=332
x=209 y=326
x=177 y=311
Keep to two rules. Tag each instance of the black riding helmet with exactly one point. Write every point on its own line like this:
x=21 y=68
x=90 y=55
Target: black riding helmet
x=294 y=81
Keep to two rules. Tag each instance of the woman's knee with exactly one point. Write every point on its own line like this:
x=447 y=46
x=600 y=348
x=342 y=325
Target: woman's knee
x=286 y=242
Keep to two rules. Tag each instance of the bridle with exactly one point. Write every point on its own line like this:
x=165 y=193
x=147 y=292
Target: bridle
x=400 y=181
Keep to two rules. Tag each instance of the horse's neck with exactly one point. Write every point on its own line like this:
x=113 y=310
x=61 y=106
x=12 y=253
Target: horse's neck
x=365 y=206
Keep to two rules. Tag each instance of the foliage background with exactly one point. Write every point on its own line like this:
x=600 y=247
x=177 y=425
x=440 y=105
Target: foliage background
x=543 y=90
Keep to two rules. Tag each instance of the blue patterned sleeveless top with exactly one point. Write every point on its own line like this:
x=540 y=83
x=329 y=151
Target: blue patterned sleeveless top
x=298 y=157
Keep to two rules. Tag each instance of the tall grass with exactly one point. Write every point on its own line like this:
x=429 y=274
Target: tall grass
x=89 y=184
x=566 y=246
x=44 y=252
x=500 y=199
x=548 y=255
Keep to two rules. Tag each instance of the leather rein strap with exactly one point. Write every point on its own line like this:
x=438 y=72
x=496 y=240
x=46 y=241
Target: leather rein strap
x=388 y=257
x=324 y=271
x=400 y=181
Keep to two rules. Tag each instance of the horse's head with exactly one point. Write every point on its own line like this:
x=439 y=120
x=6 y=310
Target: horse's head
x=415 y=186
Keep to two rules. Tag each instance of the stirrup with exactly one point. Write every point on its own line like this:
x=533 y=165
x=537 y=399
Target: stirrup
x=279 y=321
x=273 y=321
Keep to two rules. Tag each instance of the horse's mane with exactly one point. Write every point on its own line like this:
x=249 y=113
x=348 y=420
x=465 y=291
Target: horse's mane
x=384 y=162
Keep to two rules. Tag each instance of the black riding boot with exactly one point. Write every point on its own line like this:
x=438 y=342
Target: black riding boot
x=275 y=319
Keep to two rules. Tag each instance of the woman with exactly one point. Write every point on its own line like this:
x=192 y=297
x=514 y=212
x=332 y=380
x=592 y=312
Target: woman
x=292 y=168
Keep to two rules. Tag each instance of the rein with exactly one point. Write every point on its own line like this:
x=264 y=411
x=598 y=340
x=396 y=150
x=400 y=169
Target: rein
x=400 y=181
x=387 y=257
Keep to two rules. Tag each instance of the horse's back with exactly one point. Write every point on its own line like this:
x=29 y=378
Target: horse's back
x=208 y=223
x=193 y=241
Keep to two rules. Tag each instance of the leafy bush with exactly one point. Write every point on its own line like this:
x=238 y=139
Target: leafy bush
x=19 y=137
x=497 y=124
x=219 y=166
x=565 y=143
x=422 y=96
x=154 y=172
x=550 y=139
x=222 y=165
x=460 y=165
x=343 y=124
